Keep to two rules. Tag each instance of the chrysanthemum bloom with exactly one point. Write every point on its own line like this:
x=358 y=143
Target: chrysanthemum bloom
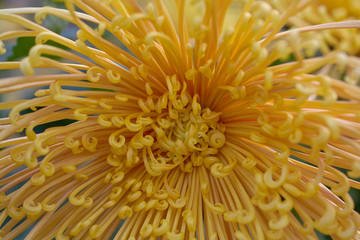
x=191 y=131
x=326 y=11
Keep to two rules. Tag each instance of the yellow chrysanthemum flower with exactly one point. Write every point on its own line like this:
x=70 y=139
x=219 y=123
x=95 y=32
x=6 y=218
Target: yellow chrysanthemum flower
x=180 y=129
x=326 y=11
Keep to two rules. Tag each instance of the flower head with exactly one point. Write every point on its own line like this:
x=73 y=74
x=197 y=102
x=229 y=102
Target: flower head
x=323 y=11
x=180 y=128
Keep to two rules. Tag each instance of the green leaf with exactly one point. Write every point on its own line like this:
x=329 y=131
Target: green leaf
x=24 y=44
x=22 y=48
x=55 y=24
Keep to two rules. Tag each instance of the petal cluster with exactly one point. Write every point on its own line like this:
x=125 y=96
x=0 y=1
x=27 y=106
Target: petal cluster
x=178 y=120
x=323 y=11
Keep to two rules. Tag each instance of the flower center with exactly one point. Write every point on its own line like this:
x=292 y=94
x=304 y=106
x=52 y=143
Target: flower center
x=186 y=134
